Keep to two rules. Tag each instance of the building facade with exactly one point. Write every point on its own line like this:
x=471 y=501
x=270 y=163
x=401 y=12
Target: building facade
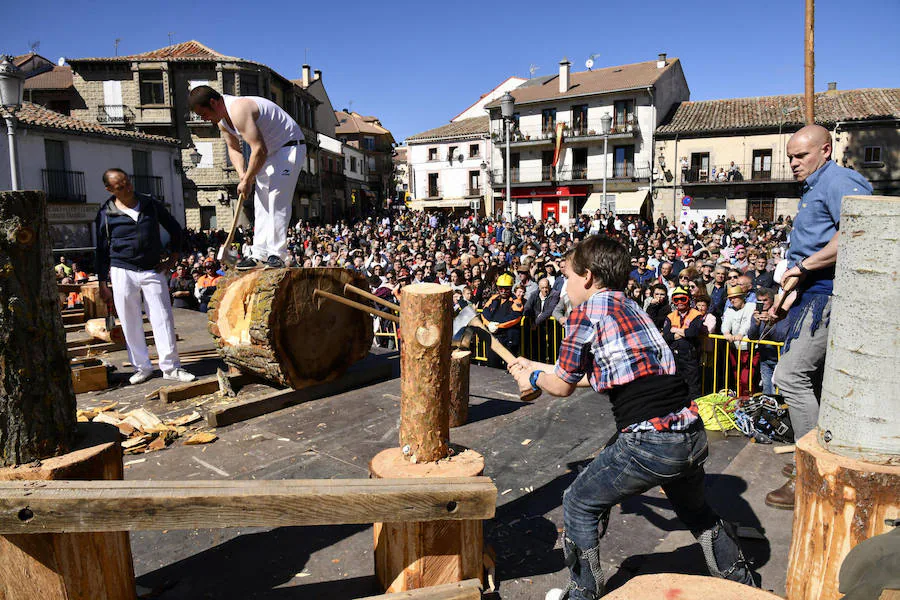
x=729 y=156
x=367 y=135
x=557 y=158
x=149 y=93
x=66 y=157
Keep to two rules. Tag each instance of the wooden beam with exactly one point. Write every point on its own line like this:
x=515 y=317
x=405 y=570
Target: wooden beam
x=810 y=62
x=91 y=506
x=183 y=391
x=470 y=589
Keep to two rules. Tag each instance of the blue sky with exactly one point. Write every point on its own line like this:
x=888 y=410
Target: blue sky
x=417 y=64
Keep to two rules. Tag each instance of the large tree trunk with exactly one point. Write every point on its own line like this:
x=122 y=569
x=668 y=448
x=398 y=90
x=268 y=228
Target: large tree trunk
x=37 y=402
x=426 y=321
x=267 y=322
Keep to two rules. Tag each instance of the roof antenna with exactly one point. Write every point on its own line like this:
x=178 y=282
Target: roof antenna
x=306 y=56
x=116 y=44
x=171 y=38
x=350 y=104
x=34 y=46
x=589 y=63
x=533 y=69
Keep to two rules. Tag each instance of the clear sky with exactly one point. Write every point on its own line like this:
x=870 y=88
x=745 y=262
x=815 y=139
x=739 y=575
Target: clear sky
x=416 y=65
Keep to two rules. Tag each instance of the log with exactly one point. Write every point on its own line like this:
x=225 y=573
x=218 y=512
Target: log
x=96 y=328
x=840 y=502
x=411 y=555
x=63 y=566
x=669 y=586
x=459 y=387
x=37 y=401
x=266 y=322
x=469 y=589
x=426 y=321
x=75 y=506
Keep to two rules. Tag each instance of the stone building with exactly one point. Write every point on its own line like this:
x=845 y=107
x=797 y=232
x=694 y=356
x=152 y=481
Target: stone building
x=367 y=135
x=728 y=156
x=148 y=92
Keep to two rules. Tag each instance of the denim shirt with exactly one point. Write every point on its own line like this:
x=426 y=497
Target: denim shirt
x=818 y=218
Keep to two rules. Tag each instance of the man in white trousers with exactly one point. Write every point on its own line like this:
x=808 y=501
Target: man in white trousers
x=277 y=153
x=129 y=252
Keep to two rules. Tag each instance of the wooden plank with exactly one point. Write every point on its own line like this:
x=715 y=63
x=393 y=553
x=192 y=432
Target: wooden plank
x=89 y=506
x=174 y=393
x=69 y=319
x=89 y=379
x=361 y=374
x=470 y=589
x=102 y=347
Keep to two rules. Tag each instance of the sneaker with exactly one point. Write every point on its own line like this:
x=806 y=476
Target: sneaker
x=248 y=264
x=274 y=262
x=179 y=374
x=140 y=377
x=555 y=594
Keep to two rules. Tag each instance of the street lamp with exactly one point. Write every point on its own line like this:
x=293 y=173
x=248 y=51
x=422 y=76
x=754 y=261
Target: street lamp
x=507 y=104
x=194 y=158
x=12 y=89
x=605 y=123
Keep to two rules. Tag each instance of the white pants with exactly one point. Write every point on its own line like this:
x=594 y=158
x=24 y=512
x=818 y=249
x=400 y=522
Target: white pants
x=127 y=289
x=273 y=200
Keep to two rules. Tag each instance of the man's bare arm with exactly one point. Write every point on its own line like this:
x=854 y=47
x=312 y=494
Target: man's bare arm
x=234 y=151
x=244 y=113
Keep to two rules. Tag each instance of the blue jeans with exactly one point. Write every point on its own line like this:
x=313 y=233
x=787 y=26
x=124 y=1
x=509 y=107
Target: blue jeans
x=635 y=463
x=766 y=368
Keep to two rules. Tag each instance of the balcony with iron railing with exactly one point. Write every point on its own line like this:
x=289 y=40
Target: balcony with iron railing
x=757 y=172
x=545 y=174
x=308 y=181
x=589 y=131
x=115 y=114
x=64 y=186
x=149 y=184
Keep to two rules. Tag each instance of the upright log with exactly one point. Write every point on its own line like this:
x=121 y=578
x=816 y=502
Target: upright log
x=460 y=361
x=425 y=333
x=37 y=401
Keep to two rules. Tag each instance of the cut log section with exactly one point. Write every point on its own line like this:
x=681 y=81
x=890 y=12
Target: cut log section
x=96 y=328
x=266 y=322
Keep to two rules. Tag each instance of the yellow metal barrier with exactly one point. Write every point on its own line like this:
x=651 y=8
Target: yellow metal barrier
x=729 y=362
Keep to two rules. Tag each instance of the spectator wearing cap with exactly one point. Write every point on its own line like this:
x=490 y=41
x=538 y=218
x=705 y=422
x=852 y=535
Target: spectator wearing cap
x=735 y=325
x=683 y=330
x=206 y=285
x=502 y=315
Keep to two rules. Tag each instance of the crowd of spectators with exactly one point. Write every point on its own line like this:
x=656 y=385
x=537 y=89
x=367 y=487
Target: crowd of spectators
x=719 y=268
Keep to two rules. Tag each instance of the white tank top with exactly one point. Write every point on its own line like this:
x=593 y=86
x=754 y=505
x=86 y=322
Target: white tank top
x=276 y=126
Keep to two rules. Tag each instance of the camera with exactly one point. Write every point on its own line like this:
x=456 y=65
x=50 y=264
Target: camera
x=760 y=306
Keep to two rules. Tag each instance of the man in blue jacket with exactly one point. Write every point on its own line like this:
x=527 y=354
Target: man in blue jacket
x=129 y=252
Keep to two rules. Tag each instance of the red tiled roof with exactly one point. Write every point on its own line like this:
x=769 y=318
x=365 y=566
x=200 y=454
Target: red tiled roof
x=184 y=51
x=37 y=116
x=768 y=112
x=58 y=78
x=456 y=129
x=351 y=122
x=598 y=81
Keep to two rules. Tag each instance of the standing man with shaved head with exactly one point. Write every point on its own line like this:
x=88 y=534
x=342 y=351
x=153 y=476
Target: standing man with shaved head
x=811 y=259
x=277 y=153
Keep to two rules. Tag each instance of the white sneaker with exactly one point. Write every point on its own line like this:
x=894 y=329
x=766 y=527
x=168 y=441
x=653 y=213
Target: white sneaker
x=179 y=374
x=140 y=376
x=554 y=594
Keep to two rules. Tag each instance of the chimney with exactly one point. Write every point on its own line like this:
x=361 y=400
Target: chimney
x=317 y=74
x=661 y=60
x=832 y=86
x=305 y=76
x=564 y=67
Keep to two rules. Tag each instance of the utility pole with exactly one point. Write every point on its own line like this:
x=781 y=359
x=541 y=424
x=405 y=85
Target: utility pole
x=116 y=44
x=810 y=92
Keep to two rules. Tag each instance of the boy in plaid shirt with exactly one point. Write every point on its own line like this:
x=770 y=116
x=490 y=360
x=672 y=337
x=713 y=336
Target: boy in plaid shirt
x=613 y=346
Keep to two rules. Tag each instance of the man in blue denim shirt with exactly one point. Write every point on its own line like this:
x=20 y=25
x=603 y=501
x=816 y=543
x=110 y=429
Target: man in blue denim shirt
x=811 y=259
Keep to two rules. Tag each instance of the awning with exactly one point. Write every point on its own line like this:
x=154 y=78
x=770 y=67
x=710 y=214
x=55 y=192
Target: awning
x=624 y=203
x=548 y=192
x=447 y=203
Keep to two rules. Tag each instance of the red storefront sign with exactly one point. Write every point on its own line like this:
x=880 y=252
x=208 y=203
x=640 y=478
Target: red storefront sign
x=549 y=192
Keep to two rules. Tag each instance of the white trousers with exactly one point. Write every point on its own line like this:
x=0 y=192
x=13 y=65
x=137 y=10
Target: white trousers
x=273 y=200
x=127 y=289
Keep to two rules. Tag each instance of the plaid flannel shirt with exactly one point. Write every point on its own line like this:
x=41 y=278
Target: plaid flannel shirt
x=613 y=341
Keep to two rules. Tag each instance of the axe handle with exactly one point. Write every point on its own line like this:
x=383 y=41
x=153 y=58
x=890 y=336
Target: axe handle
x=234 y=224
x=372 y=297
x=504 y=353
x=356 y=305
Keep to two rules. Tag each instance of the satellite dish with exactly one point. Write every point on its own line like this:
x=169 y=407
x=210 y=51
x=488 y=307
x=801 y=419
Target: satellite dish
x=589 y=63
x=62 y=61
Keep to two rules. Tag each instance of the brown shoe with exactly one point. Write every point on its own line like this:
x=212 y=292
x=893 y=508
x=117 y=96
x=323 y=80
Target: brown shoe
x=783 y=497
x=789 y=470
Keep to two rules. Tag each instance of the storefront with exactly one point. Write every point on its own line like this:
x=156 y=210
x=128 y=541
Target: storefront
x=72 y=227
x=543 y=203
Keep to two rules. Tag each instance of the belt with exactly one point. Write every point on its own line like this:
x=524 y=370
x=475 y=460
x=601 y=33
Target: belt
x=291 y=143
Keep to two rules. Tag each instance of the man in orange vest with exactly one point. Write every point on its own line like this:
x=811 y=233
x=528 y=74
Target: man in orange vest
x=502 y=315
x=683 y=331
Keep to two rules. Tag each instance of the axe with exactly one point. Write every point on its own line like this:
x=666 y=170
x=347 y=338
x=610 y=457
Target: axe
x=227 y=254
x=462 y=336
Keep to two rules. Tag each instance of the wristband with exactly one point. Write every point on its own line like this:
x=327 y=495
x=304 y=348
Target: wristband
x=533 y=379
